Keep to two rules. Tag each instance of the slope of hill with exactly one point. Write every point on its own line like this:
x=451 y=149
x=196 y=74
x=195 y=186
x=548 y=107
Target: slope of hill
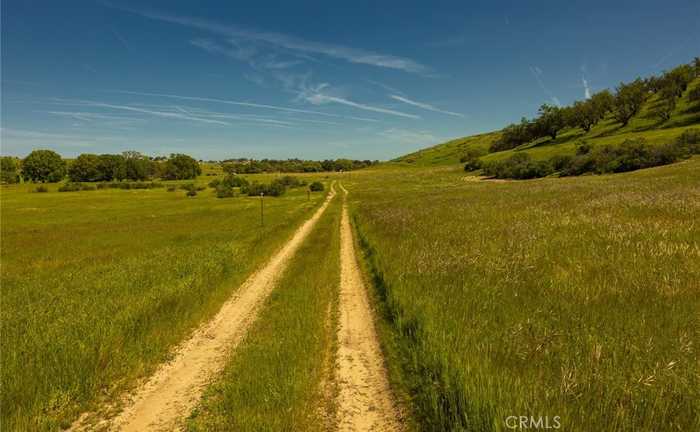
x=608 y=131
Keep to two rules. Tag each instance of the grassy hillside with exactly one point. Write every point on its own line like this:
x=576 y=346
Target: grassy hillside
x=645 y=124
x=574 y=297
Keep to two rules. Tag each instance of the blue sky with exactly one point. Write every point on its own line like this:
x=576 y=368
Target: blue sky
x=322 y=79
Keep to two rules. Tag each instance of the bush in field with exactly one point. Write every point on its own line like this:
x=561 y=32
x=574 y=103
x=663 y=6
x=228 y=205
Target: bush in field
x=70 y=187
x=188 y=186
x=316 y=186
x=181 y=167
x=41 y=189
x=191 y=193
x=224 y=191
x=233 y=180
x=689 y=141
x=85 y=168
x=43 y=166
x=559 y=162
x=9 y=170
x=172 y=188
x=289 y=181
x=632 y=154
x=519 y=166
x=272 y=189
x=214 y=183
x=471 y=164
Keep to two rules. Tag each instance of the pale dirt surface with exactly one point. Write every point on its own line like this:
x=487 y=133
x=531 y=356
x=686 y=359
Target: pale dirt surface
x=173 y=391
x=365 y=402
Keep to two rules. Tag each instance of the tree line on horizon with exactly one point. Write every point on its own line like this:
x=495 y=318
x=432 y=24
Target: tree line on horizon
x=253 y=166
x=623 y=104
x=47 y=166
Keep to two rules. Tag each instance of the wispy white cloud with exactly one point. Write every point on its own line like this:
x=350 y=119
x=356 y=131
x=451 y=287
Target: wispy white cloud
x=318 y=98
x=33 y=137
x=424 y=106
x=584 y=82
x=245 y=104
x=586 y=88
x=292 y=43
x=537 y=74
x=166 y=114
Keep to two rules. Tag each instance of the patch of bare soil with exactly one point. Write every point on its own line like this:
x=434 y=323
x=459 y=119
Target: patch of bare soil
x=365 y=401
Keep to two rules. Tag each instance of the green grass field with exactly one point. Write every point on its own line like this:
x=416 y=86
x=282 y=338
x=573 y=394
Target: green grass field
x=98 y=285
x=573 y=297
x=279 y=378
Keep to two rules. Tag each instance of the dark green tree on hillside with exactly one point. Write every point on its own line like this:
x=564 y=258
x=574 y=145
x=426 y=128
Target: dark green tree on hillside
x=583 y=114
x=603 y=103
x=513 y=135
x=43 y=166
x=85 y=168
x=9 y=170
x=628 y=100
x=550 y=121
x=181 y=167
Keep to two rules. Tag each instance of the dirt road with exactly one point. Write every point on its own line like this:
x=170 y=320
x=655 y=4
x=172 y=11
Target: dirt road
x=364 y=401
x=172 y=392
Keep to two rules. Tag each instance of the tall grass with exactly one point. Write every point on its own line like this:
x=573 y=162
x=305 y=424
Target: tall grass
x=98 y=286
x=575 y=298
x=275 y=381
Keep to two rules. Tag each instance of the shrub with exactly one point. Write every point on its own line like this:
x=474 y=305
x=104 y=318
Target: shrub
x=632 y=154
x=41 y=189
x=472 y=164
x=289 y=181
x=214 y=183
x=519 y=166
x=316 y=186
x=689 y=141
x=70 y=187
x=560 y=162
x=191 y=193
x=273 y=189
x=187 y=186
x=233 y=180
x=224 y=191
x=172 y=188
x=582 y=147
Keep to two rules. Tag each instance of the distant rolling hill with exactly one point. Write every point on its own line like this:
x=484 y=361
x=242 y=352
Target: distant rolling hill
x=607 y=131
